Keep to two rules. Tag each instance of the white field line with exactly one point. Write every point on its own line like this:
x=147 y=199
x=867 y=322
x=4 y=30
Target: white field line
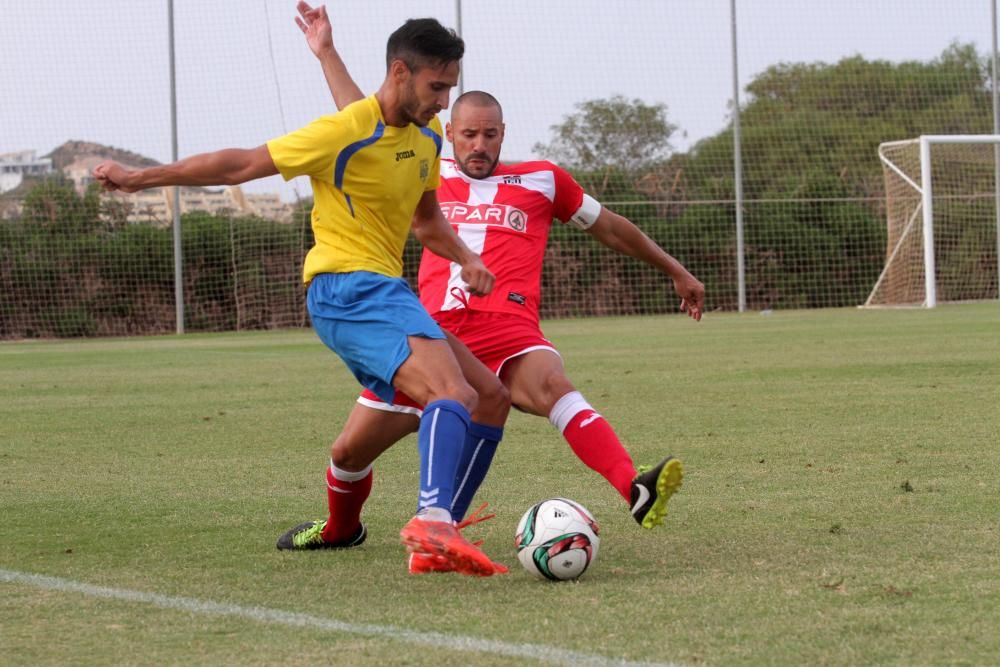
x=438 y=640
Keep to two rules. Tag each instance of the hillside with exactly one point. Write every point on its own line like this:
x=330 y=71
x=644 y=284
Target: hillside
x=71 y=151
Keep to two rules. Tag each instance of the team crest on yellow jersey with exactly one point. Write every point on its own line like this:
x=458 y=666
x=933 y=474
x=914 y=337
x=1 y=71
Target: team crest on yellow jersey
x=424 y=170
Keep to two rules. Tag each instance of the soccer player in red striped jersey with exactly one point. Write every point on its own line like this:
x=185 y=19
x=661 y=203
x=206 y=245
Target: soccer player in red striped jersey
x=504 y=213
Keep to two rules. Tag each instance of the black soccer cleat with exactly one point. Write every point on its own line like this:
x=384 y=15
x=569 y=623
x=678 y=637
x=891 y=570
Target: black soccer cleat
x=652 y=488
x=309 y=535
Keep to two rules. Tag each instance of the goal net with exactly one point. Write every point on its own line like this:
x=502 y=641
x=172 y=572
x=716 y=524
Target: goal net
x=941 y=198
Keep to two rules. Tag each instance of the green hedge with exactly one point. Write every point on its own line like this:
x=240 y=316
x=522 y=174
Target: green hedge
x=69 y=269
x=100 y=279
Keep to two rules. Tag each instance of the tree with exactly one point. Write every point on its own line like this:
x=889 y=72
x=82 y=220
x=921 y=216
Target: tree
x=813 y=187
x=811 y=175
x=54 y=203
x=613 y=133
x=803 y=122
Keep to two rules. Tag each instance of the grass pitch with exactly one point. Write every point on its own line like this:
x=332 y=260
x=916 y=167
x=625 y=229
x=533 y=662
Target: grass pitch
x=840 y=506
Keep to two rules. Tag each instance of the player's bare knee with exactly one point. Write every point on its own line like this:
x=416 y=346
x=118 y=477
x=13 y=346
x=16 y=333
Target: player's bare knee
x=339 y=452
x=494 y=403
x=455 y=388
x=464 y=394
x=554 y=386
x=469 y=398
x=344 y=455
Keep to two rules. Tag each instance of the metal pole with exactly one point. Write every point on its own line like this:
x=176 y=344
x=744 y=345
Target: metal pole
x=996 y=130
x=458 y=29
x=930 y=283
x=178 y=256
x=738 y=169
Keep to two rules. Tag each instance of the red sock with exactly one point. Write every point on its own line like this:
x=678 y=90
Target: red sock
x=594 y=442
x=345 y=499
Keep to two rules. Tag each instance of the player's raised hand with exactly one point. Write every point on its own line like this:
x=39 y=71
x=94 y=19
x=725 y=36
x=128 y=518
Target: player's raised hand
x=478 y=279
x=113 y=176
x=315 y=25
x=692 y=294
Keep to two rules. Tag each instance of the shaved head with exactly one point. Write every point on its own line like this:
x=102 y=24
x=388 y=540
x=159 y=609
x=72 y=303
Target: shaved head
x=476 y=98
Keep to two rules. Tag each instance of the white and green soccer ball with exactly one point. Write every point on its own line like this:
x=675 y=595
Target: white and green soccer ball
x=557 y=539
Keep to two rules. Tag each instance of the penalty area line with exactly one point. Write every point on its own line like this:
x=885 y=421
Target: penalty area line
x=439 y=640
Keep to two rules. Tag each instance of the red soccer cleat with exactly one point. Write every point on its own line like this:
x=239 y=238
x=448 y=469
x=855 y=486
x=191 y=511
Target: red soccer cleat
x=442 y=539
x=421 y=563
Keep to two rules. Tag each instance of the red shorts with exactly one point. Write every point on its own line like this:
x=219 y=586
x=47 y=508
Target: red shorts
x=492 y=337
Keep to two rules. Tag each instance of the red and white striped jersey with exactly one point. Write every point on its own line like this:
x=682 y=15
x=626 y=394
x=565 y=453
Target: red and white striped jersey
x=506 y=219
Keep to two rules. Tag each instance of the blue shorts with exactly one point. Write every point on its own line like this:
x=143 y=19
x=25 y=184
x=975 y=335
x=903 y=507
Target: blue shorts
x=366 y=318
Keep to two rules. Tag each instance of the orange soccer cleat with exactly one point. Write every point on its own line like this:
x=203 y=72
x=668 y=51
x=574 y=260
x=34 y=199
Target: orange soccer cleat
x=438 y=546
x=421 y=563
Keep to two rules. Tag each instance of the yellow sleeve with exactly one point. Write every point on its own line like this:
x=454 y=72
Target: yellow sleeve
x=310 y=150
x=434 y=178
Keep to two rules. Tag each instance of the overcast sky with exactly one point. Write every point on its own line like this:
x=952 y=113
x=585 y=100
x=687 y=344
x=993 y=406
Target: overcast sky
x=98 y=71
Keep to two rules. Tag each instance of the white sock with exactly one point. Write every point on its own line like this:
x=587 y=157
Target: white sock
x=434 y=514
x=347 y=475
x=566 y=408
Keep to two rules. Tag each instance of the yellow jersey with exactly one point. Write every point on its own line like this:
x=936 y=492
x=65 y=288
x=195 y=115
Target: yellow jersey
x=367 y=178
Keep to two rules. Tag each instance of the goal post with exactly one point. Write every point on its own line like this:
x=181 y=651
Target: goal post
x=942 y=202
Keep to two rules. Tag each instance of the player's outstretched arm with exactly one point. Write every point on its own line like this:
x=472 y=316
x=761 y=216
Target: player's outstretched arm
x=230 y=166
x=622 y=236
x=315 y=25
x=435 y=233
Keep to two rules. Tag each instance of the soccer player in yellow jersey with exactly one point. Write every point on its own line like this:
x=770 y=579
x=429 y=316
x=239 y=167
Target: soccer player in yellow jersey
x=503 y=333
x=374 y=172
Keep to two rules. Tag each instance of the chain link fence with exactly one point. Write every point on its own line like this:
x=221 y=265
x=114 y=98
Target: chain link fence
x=634 y=98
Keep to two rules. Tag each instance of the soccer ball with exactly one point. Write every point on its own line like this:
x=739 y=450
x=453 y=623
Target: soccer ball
x=557 y=539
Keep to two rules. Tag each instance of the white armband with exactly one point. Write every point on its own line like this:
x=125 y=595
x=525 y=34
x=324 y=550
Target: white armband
x=586 y=215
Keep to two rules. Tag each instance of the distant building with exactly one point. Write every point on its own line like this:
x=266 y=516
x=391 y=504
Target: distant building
x=80 y=171
x=15 y=166
x=270 y=206
x=156 y=206
x=78 y=159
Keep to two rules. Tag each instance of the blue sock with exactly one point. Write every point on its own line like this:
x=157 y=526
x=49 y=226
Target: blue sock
x=477 y=455
x=440 y=441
